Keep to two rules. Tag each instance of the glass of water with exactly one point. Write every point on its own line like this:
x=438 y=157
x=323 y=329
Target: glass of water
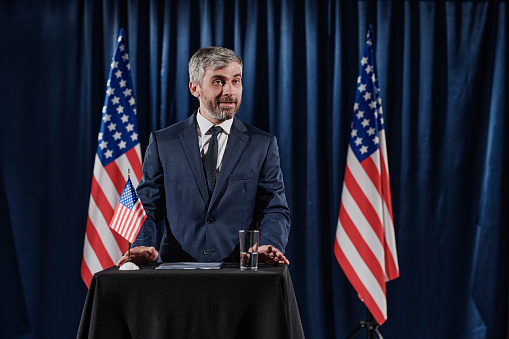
x=249 y=249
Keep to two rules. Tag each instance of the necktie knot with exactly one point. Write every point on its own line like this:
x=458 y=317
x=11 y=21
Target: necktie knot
x=215 y=130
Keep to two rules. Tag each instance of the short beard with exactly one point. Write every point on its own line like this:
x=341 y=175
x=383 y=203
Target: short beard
x=222 y=114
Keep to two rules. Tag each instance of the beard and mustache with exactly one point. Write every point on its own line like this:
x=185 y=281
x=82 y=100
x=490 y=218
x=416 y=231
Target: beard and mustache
x=213 y=108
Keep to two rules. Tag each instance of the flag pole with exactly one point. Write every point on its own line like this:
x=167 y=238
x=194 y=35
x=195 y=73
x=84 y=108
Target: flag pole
x=369 y=324
x=366 y=192
x=128 y=242
x=119 y=97
x=129 y=265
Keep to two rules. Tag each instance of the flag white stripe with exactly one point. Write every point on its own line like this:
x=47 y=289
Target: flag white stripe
x=135 y=180
x=90 y=257
x=389 y=233
x=115 y=221
x=390 y=238
x=119 y=224
x=140 y=217
x=383 y=150
x=104 y=181
x=133 y=217
x=140 y=214
x=365 y=183
x=124 y=164
x=126 y=222
x=367 y=233
x=101 y=226
x=361 y=269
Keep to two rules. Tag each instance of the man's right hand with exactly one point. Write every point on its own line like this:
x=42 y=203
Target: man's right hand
x=140 y=255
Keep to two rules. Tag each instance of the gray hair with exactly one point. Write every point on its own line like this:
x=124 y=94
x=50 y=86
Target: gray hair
x=213 y=57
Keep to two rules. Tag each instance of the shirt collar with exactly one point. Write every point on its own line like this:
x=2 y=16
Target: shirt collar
x=204 y=125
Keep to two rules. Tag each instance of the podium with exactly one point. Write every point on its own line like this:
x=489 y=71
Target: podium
x=218 y=303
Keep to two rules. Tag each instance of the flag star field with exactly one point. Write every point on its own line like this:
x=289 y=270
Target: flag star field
x=364 y=135
x=129 y=196
x=118 y=131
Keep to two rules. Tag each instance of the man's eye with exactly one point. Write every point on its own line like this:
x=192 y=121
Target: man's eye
x=217 y=82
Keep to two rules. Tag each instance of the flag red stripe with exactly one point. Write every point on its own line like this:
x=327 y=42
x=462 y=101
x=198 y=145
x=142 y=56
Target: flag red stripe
x=122 y=244
x=123 y=224
x=123 y=221
x=139 y=219
x=86 y=275
x=386 y=191
x=128 y=222
x=116 y=176
x=118 y=215
x=97 y=245
x=364 y=204
x=363 y=249
x=118 y=223
x=101 y=201
x=138 y=227
x=131 y=223
x=106 y=210
x=135 y=161
x=391 y=269
x=371 y=170
x=357 y=284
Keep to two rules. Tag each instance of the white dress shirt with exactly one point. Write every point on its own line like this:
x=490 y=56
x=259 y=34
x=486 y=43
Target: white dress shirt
x=203 y=126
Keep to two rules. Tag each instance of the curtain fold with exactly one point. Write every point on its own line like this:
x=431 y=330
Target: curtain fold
x=444 y=87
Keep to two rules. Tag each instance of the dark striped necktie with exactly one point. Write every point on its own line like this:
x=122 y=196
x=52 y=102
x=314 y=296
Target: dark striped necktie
x=211 y=159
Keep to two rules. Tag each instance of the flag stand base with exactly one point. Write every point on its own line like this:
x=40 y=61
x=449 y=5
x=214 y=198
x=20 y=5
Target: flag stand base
x=129 y=266
x=370 y=325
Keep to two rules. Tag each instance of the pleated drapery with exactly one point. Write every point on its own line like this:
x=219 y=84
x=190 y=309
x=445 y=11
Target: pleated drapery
x=443 y=77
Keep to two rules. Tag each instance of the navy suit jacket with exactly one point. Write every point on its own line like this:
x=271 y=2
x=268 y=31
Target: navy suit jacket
x=249 y=194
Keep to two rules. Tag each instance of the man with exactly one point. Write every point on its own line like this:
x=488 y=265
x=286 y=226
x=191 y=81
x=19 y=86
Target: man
x=204 y=203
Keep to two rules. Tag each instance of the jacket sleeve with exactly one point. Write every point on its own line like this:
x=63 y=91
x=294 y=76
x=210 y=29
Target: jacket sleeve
x=151 y=193
x=271 y=210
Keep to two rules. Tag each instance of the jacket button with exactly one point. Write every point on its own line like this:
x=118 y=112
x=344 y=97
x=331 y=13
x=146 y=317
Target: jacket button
x=205 y=252
x=210 y=220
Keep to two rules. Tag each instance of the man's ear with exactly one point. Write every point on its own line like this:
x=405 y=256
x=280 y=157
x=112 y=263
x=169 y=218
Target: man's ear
x=193 y=87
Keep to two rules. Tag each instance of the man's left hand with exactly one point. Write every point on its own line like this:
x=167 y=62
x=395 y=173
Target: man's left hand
x=268 y=254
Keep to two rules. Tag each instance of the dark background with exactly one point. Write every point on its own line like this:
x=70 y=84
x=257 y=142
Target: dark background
x=443 y=75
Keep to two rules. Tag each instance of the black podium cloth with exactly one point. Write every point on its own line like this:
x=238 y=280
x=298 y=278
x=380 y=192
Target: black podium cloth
x=219 y=303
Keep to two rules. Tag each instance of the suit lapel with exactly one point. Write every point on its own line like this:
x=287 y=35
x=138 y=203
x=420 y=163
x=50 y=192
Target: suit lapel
x=189 y=140
x=236 y=145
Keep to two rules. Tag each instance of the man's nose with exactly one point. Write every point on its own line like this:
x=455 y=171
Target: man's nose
x=227 y=88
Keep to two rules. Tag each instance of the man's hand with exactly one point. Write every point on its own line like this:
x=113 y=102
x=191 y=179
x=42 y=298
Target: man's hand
x=268 y=254
x=140 y=255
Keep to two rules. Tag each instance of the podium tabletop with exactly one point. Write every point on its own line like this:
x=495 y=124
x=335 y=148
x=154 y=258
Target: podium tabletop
x=197 y=303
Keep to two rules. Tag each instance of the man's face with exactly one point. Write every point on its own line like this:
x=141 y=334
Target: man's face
x=220 y=93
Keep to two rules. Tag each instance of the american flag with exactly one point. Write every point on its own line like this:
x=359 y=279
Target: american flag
x=129 y=215
x=365 y=245
x=118 y=150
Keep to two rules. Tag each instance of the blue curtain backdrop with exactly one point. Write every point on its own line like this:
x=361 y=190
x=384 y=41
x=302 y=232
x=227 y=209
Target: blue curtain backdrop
x=443 y=76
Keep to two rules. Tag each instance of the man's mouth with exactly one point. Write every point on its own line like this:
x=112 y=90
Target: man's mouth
x=228 y=102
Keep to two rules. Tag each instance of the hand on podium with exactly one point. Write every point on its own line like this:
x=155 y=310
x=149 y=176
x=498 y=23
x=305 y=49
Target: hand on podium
x=270 y=255
x=267 y=254
x=140 y=255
